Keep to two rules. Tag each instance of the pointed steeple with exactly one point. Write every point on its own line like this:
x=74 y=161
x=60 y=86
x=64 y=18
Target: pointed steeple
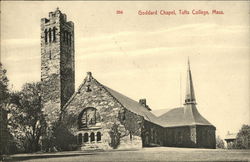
x=190 y=97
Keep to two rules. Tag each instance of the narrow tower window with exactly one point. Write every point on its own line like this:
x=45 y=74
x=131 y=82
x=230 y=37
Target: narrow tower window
x=49 y=35
x=64 y=36
x=54 y=34
x=67 y=37
x=70 y=39
x=45 y=35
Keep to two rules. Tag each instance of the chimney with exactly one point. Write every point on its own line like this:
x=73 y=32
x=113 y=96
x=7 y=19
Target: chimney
x=143 y=102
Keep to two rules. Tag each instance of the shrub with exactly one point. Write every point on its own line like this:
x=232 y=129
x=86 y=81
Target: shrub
x=219 y=142
x=115 y=136
x=64 y=140
x=243 y=138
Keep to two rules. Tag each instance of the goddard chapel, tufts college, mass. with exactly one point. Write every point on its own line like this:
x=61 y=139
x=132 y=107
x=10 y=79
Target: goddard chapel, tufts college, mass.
x=102 y=118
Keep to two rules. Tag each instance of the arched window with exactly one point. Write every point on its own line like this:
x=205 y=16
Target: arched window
x=98 y=136
x=64 y=36
x=86 y=137
x=45 y=35
x=67 y=38
x=88 y=117
x=70 y=39
x=49 y=35
x=80 y=138
x=54 y=34
x=92 y=136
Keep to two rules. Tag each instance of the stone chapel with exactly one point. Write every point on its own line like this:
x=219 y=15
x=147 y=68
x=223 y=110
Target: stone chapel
x=102 y=118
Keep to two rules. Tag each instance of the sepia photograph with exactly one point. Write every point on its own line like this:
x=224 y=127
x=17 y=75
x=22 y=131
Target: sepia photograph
x=125 y=81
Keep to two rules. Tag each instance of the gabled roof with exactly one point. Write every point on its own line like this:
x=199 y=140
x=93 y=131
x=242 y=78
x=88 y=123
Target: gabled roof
x=125 y=101
x=133 y=106
x=183 y=117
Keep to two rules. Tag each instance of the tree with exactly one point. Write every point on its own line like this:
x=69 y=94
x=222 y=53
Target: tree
x=5 y=136
x=4 y=91
x=219 y=142
x=27 y=120
x=59 y=138
x=64 y=140
x=243 y=138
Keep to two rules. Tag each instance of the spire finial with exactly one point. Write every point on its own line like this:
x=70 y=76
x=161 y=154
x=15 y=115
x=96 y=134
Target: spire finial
x=188 y=63
x=190 y=97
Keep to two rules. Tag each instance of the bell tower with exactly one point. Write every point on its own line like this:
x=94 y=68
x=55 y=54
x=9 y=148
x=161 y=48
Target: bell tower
x=57 y=63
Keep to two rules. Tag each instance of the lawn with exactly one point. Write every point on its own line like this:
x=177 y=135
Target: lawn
x=145 y=154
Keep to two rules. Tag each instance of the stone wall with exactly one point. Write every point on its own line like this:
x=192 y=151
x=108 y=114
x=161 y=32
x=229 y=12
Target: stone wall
x=152 y=134
x=50 y=72
x=178 y=137
x=133 y=124
x=67 y=63
x=119 y=127
x=57 y=64
x=190 y=136
x=206 y=136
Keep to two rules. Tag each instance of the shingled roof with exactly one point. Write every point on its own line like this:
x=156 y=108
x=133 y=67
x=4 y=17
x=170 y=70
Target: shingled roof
x=230 y=136
x=133 y=106
x=187 y=115
x=183 y=116
x=125 y=101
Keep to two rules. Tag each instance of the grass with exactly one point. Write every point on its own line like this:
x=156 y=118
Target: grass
x=145 y=154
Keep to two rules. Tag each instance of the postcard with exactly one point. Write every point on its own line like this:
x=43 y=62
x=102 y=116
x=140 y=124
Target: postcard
x=125 y=80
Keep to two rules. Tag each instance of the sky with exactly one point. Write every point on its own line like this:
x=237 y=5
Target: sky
x=145 y=56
